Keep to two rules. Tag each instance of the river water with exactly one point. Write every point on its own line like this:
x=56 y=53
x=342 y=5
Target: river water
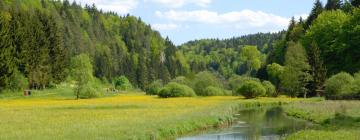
x=255 y=124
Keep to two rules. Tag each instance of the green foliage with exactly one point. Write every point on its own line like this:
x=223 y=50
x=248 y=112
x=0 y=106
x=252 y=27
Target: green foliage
x=88 y=91
x=203 y=80
x=251 y=89
x=251 y=56
x=154 y=88
x=122 y=83
x=333 y=4
x=223 y=56
x=214 y=91
x=182 y=80
x=82 y=73
x=296 y=73
x=176 y=90
x=40 y=37
x=327 y=32
x=18 y=82
x=315 y=12
x=237 y=81
x=274 y=70
x=270 y=89
x=337 y=83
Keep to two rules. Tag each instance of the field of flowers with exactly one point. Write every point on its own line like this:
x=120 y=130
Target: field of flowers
x=130 y=116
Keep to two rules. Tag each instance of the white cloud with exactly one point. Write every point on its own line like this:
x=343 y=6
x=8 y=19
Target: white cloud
x=239 y=19
x=162 y=27
x=118 y=6
x=303 y=16
x=181 y=3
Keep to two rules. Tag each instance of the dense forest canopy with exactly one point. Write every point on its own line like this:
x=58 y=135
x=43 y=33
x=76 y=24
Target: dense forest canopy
x=38 y=40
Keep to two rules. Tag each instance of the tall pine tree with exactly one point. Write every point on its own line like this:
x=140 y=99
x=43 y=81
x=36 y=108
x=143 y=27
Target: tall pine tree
x=333 y=4
x=318 y=70
x=7 y=65
x=315 y=12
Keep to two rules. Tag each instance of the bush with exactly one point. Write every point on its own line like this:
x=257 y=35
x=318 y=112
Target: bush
x=154 y=88
x=237 y=81
x=270 y=89
x=251 y=89
x=122 y=83
x=214 y=91
x=182 y=80
x=18 y=82
x=352 y=89
x=338 y=83
x=88 y=91
x=176 y=90
x=204 y=80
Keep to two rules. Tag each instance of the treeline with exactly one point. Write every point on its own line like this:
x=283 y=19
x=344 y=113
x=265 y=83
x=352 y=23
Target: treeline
x=225 y=56
x=299 y=61
x=38 y=38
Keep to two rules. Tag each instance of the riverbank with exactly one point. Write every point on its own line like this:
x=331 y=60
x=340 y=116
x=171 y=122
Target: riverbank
x=337 y=119
x=54 y=114
x=51 y=115
x=129 y=116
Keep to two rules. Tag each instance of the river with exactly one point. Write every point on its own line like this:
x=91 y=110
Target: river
x=255 y=124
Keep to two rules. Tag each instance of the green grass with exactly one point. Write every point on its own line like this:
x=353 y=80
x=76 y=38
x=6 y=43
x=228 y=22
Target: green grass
x=54 y=114
x=336 y=119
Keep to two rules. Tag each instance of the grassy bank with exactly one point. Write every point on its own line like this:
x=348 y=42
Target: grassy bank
x=131 y=116
x=336 y=119
x=54 y=114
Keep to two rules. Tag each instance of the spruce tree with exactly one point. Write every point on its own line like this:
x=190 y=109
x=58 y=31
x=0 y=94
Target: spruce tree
x=318 y=70
x=315 y=12
x=7 y=63
x=355 y=3
x=333 y=4
x=290 y=28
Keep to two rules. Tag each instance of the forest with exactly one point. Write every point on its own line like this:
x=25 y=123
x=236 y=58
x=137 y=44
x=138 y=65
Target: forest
x=39 y=39
x=61 y=50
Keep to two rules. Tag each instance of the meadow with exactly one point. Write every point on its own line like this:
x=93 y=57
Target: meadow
x=336 y=119
x=47 y=115
x=55 y=114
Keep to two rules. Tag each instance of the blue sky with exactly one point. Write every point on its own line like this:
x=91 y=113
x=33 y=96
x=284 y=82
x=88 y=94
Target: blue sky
x=185 y=20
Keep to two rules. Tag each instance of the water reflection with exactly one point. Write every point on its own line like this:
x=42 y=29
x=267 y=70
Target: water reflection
x=254 y=124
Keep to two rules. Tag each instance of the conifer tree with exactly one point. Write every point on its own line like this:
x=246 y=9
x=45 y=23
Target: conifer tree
x=315 y=12
x=333 y=4
x=355 y=3
x=318 y=70
x=290 y=28
x=7 y=65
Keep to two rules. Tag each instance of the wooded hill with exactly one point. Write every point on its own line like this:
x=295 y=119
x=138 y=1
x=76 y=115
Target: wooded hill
x=38 y=39
x=298 y=60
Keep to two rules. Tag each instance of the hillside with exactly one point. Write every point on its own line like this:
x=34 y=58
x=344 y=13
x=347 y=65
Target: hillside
x=38 y=38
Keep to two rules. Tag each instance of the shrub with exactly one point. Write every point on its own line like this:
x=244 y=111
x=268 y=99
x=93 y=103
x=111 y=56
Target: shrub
x=88 y=91
x=182 y=80
x=270 y=89
x=204 y=80
x=122 y=83
x=176 y=90
x=237 y=81
x=214 y=91
x=251 y=89
x=338 y=83
x=18 y=81
x=154 y=88
x=352 y=89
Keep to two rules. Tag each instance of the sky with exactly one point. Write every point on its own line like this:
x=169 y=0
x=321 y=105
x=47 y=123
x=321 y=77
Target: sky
x=185 y=20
